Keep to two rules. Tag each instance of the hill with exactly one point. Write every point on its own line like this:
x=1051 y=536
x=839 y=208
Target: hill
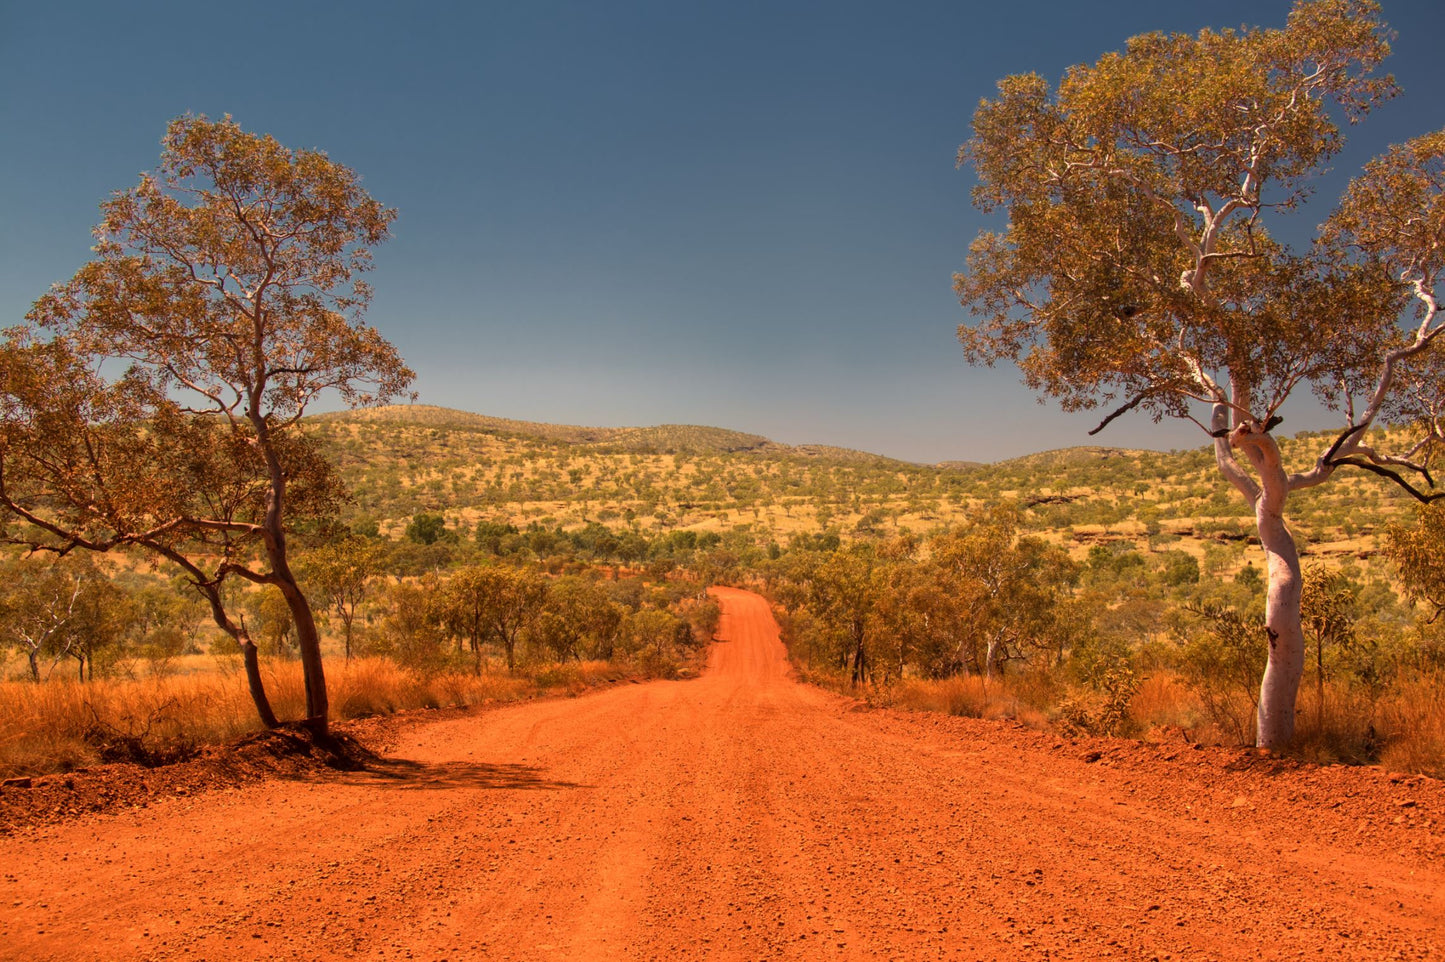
x=404 y=459
x=661 y=438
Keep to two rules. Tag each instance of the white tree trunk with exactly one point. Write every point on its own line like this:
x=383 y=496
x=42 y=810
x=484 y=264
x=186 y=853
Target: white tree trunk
x=1282 y=625
x=1282 y=673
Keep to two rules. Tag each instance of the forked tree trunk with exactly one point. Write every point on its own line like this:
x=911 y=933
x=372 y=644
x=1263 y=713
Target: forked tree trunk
x=860 y=655
x=250 y=656
x=509 y=642
x=308 y=639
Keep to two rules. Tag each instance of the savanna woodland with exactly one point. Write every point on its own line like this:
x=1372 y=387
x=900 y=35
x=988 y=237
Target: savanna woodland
x=194 y=551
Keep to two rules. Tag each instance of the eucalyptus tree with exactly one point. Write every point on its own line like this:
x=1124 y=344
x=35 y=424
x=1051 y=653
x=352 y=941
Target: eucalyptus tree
x=1136 y=270
x=38 y=604
x=343 y=571
x=578 y=618
x=153 y=401
x=491 y=602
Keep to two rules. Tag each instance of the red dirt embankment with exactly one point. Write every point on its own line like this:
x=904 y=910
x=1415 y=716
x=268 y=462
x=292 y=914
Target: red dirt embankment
x=745 y=816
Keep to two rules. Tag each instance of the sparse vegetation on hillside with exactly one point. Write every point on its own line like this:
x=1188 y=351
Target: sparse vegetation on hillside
x=1147 y=568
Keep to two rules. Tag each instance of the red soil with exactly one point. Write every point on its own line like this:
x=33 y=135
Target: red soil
x=742 y=816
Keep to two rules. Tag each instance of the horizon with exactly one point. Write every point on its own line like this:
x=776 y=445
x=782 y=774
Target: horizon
x=724 y=215
x=1090 y=446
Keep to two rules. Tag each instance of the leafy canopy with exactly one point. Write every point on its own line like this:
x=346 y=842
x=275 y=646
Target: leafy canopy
x=150 y=399
x=1136 y=263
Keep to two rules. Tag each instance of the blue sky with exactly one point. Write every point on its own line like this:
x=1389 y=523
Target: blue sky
x=739 y=214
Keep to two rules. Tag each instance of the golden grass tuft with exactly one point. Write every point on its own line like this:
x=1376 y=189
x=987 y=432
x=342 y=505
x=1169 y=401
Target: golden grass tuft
x=1164 y=701
x=62 y=725
x=1412 y=726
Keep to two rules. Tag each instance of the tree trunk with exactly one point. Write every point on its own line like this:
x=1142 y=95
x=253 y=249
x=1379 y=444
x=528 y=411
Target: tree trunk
x=860 y=656
x=308 y=642
x=1280 y=688
x=251 y=658
x=250 y=655
x=1278 y=692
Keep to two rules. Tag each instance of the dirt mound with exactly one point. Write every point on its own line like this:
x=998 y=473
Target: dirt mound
x=138 y=776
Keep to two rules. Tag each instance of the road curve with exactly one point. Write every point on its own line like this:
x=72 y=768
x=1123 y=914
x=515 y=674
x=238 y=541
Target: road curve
x=740 y=815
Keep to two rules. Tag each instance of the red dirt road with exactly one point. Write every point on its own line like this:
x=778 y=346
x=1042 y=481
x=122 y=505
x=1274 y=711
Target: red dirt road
x=745 y=816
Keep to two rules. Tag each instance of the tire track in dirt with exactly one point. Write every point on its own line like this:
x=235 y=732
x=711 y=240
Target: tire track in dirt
x=739 y=816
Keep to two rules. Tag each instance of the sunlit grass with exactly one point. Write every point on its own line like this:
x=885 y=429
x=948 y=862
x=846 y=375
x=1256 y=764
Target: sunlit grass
x=1403 y=730
x=62 y=724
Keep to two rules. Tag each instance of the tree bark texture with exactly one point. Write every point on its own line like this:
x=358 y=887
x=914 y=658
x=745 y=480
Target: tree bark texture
x=1283 y=628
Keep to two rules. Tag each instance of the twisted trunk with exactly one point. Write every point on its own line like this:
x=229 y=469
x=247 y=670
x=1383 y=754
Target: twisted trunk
x=1279 y=690
x=1283 y=629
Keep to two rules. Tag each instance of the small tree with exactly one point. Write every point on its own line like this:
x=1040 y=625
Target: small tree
x=578 y=617
x=343 y=572
x=426 y=528
x=154 y=399
x=1329 y=609
x=483 y=602
x=1136 y=270
x=1418 y=552
x=37 y=605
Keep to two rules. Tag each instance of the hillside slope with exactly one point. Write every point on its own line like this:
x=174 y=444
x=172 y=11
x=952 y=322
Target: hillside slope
x=400 y=460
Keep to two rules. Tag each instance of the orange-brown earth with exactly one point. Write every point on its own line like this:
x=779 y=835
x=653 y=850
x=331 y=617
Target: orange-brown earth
x=745 y=816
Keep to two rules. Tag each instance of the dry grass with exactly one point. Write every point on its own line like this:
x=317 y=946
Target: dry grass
x=1411 y=722
x=1163 y=701
x=967 y=696
x=62 y=725
x=1403 y=731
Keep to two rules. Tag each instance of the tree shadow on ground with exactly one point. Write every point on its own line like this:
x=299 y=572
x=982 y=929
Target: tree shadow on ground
x=403 y=773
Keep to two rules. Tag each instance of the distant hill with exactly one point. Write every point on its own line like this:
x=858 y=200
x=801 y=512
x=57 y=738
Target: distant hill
x=402 y=459
x=1069 y=457
x=658 y=439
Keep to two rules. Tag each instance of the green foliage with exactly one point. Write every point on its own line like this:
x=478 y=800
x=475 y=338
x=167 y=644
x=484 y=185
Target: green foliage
x=1222 y=660
x=428 y=528
x=971 y=599
x=1418 y=552
x=1136 y=269
x=1104 y=709
x=152 y=400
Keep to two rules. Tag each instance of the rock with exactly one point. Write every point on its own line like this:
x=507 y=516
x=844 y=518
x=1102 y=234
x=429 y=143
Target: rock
x=25 y=782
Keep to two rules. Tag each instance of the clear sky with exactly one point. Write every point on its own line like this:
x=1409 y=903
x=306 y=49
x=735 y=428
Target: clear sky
x=743 y=214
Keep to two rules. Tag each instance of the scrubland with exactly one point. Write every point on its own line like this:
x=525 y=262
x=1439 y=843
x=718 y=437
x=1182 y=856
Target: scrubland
x=1092 y=590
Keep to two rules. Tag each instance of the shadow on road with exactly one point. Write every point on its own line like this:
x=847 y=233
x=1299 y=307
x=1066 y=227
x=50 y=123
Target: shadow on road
x=402 y=773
